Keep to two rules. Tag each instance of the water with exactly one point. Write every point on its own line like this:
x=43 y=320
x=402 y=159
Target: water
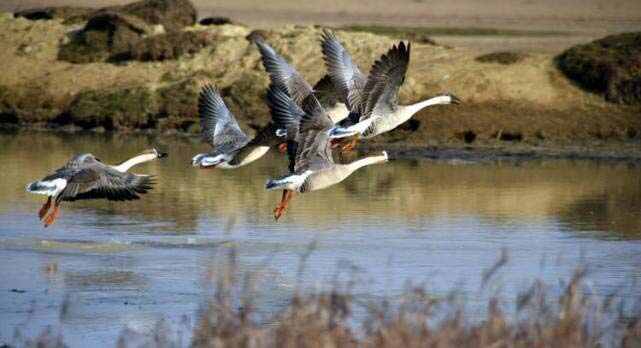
x=106 y=266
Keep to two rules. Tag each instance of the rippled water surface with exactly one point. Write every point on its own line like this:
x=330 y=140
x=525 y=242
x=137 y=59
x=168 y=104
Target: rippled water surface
x=106 y=266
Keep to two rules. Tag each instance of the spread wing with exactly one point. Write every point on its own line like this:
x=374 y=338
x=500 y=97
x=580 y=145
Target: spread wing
x=384 y=81
x=308 y=145
x=325 y=92
x=345 y=75
x=283 y=74
x=219 y=126
x=101 y=181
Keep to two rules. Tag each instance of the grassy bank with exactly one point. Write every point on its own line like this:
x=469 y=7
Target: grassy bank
x=509 y=98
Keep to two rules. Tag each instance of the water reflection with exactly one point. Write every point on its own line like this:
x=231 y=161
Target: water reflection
x=583 y=195
x=129 y=264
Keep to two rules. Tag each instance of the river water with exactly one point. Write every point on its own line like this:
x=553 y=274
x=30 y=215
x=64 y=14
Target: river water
x=104 y=266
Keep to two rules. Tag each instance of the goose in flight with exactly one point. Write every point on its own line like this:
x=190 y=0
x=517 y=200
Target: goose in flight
x=300 y=91
x=232 y=148
x=86 y=177
x=311 y=166
x=372 y=100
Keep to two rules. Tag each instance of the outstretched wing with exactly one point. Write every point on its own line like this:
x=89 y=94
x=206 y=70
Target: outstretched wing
x=219 y=126
x=326 y=92
x=101 y=181
x=283 y=74
x=308 y=145
x=286 y=115
x=346 y=76
x=384 y=81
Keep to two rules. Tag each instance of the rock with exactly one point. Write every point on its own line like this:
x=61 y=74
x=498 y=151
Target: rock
x=114 y=108
x=611 y=66
x=106 y=34
x=259 y=34
x=69 y=14
x=172 y=14
x=170 y=45
x=502 y=57
x=146 y=30
x=215 y=21
x=30 y=103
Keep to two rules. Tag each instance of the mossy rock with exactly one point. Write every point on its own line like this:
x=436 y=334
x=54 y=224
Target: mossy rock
x=179 y=101
x=171 y=14
x=245 y=97
x=502 y=57
x=69 y=14
x=27 y=103
x=114 y=109
x=215 y=21
x=611 y=66
x=171 y=45
x=106 y=34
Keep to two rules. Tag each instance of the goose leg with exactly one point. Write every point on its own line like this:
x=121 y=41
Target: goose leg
x=350 y=146
x=45 y=208
x=282 y=206
x=51 y=218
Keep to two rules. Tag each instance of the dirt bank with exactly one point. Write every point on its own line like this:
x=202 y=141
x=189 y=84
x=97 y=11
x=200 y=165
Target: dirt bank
x=526 y=102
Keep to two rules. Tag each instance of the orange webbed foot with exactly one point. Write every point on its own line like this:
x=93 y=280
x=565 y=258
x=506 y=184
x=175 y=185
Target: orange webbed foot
x=279 y=211
x=349 y=146
x=282 y=206
x=45 y=208
x=51 y=218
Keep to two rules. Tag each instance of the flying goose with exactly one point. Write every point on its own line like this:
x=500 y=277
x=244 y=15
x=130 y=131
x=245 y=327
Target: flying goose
x=232 y=148
x=372 y=100
x=302 y=93
x=86 y=177
x=311 y=166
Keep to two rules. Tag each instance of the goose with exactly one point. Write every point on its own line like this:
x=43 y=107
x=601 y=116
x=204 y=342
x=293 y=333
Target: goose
x=85 y=177
x=311 y=166
x=301 y=92
x=326 y=93
x=232 y=148
x=372 y=100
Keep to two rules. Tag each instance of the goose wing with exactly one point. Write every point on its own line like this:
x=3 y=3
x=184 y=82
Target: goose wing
x=100 y=181
x=283 y=74
x=347 y=78
x=219 y=126
x=325 y=92
x=384 y=81
x=308 y=145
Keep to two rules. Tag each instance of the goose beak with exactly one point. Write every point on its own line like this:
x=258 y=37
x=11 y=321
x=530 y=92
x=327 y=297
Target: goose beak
x=163 y=155
x=455 y=100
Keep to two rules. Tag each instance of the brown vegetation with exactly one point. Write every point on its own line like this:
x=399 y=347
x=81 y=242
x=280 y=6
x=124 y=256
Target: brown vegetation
x=502 y=57
x=127 y=32
x=69 y=14
x=528 y=102
x=611 y=66
x=573 y=318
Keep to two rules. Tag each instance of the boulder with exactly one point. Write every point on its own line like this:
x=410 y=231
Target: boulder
x=69 y=14
x=107 y=33
x=610 y=66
